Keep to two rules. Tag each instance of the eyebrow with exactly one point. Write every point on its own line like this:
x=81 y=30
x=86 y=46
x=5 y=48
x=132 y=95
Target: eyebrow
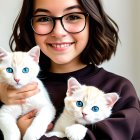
x=67 y=9
x=41 y=10
x=73 y=7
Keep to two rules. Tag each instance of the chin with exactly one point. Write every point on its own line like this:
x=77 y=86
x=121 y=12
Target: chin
x=62 y=59
x=83 y=121
x=17 y=85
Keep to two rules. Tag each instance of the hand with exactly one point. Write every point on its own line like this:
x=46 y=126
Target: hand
x=10 y=95
x=50 y=127
x=25 y=121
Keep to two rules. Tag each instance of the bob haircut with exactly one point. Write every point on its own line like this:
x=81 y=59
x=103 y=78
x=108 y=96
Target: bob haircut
x=103 y=33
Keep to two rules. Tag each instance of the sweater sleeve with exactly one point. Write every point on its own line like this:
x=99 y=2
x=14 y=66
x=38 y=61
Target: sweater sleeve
x=125 y=126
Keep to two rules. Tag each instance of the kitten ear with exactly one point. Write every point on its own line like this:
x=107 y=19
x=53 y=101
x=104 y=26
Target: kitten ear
x=35 y=53
x=111 y=98
x=73 y=85
x=3 y=53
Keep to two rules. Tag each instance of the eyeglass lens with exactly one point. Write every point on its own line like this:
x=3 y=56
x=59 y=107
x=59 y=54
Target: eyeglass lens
x=73 y=23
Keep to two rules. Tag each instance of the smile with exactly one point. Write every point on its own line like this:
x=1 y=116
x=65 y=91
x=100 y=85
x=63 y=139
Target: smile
x=60 y=45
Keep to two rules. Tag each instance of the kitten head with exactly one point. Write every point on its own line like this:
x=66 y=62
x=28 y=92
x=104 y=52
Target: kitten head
x=19 y=68
x=88 y=104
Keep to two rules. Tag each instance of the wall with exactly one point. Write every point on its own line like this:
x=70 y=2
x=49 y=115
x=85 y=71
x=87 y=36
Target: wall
x=126 y=62
x=8 y=11
x=126 y=13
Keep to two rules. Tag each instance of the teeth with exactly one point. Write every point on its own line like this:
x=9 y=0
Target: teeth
x=60 y=45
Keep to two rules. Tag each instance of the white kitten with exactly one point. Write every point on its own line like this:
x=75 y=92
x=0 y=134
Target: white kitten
x=83 y=105
x=17 y=69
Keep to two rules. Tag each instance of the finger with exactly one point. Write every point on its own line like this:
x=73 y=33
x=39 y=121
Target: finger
x=50 y=127
x=30 y=115
x=13 y=93
x=28 y=87
x=21 y=98
x=26 y=94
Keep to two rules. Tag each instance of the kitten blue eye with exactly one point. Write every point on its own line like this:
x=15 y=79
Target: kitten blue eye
x=79 y=103
x=95 y=108
x=25 y=70
x=9 y=70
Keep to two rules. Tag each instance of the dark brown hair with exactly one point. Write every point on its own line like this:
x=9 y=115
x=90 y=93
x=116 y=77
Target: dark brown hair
x=103 y=36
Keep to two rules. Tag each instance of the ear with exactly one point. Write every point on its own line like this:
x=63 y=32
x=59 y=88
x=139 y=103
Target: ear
x=73 y=85
x=3 y=54
x=111 y=98
x=35 y=53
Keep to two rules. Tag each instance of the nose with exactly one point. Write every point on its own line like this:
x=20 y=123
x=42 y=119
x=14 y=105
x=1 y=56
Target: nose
x=84 y=114
x=17 y=80
x=58 y=29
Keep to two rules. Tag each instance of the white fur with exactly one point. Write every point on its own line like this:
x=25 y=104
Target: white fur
x=75 y=132
x=71 y=123
x=41 y=101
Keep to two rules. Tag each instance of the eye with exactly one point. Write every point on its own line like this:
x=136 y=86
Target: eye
x=79 y=103
x=43 y=19
x=73 y=17
x=25 y=70
x=9 y=70
x=95 y=108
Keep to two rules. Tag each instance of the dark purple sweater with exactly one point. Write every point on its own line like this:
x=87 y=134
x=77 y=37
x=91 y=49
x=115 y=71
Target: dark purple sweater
x=123 y=124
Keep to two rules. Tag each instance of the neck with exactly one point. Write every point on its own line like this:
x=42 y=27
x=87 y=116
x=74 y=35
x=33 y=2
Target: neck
x=65 y=68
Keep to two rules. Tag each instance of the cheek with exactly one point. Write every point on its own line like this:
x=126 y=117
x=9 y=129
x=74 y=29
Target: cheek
x=82 y=38
x=78 y=112
x=24 y=79
x=70 y=105
x=40 y=40
x=7 y=78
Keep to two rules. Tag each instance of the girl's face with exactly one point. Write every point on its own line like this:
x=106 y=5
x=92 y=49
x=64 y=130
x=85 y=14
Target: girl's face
x=61 y=47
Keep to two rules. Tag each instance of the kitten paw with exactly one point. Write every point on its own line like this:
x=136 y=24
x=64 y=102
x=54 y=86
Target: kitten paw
x=54 y=133
x=76 y=132
x=31 y=135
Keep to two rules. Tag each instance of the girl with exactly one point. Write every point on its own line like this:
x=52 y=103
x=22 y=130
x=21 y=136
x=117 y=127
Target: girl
x=74 y=37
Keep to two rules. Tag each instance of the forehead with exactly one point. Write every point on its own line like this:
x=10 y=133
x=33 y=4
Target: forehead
x=56 y=6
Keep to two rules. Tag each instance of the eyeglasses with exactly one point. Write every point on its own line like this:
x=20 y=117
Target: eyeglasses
x=72 y=23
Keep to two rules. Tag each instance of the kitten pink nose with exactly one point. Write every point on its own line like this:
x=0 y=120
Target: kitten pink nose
x=84 y=114
x=17 y=80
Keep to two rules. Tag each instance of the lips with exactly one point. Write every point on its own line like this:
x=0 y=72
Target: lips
x=60 y=45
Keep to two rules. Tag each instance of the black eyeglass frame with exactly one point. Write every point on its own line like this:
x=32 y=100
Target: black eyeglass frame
x=60 y=18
